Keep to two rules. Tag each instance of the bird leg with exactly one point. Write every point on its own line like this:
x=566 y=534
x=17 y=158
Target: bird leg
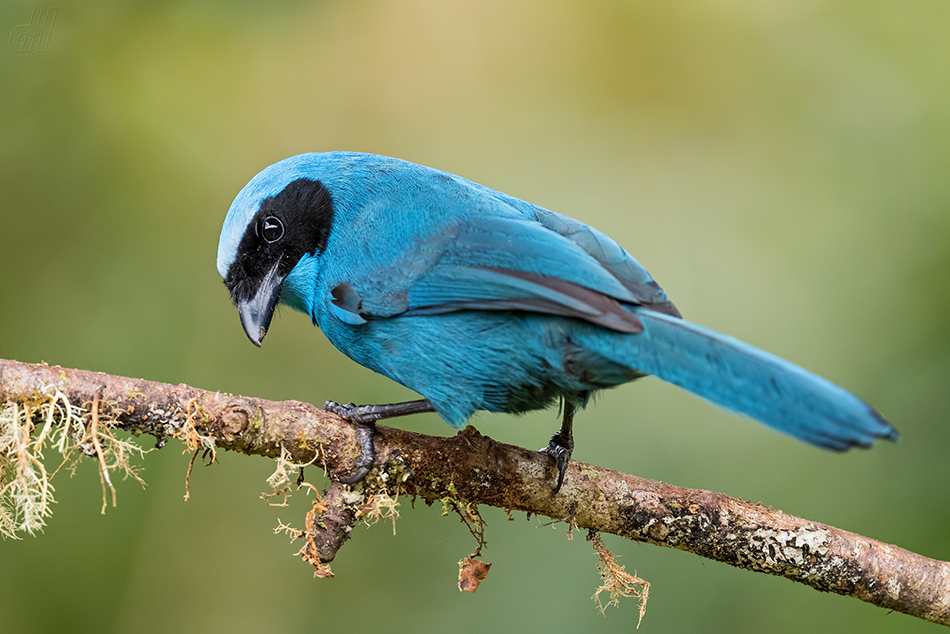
x=561 y=444
x=365 y=417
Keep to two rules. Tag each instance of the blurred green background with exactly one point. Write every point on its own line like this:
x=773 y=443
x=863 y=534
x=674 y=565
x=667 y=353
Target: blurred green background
x=782 y=168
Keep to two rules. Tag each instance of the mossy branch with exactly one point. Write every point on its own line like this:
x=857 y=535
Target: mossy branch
x=475 y=469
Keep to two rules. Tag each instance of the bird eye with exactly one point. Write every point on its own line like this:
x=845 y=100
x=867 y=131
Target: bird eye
x=271 y=229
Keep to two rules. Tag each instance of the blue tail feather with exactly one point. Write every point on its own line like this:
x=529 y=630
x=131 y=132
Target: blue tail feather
x=750 y=381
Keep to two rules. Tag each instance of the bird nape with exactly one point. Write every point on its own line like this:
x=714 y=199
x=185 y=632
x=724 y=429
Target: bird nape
x=480 y=301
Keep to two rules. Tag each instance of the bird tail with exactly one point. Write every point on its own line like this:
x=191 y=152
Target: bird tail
x=746 y=380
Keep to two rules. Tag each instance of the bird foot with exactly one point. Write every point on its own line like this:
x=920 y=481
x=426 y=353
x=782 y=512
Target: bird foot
x=560 y=448
x=361 y=415
x=365 y=424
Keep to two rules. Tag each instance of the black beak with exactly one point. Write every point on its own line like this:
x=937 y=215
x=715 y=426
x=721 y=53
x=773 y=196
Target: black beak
x=257 y=311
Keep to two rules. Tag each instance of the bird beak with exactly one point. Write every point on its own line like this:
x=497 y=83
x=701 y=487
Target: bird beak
x=257 y=312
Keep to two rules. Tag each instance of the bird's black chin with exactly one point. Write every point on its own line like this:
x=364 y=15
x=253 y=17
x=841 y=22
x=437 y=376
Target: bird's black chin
x=257 y=311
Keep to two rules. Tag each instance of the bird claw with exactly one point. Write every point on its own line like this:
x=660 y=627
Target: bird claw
x=364 y=435
x=559 y=448
x=357 y=475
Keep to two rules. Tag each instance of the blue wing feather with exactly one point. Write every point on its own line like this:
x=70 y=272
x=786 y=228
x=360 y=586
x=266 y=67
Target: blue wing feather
x=501 y=261
x=611 y=256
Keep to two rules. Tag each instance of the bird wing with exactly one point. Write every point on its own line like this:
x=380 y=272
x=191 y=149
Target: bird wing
x=612 y=257
x=505 y=260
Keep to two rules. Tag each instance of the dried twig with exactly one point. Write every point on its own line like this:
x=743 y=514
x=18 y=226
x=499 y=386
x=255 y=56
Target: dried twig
x=617 y=581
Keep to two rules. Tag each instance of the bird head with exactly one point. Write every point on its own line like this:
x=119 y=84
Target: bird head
x=276 y=227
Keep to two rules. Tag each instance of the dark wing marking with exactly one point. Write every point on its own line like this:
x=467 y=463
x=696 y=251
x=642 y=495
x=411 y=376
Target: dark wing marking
x=450 y=289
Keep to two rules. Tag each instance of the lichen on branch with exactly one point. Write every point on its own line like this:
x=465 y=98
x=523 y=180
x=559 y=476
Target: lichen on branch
x=49 y=421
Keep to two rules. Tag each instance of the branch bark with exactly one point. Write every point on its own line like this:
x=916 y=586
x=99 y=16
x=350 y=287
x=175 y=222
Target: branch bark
x=476 y=470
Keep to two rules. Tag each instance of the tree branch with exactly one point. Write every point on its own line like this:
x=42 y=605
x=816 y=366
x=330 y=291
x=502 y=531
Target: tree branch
x=471 y=469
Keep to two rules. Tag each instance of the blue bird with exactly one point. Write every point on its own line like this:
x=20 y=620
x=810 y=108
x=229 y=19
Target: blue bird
x=481 y=301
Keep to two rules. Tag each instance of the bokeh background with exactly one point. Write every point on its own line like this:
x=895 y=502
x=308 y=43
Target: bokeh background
x=782 y=168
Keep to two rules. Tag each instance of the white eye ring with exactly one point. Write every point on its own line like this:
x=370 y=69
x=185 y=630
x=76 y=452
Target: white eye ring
x=272 y=229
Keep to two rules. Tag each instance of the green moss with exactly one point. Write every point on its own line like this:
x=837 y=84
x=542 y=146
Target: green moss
x=257 y=419
x=451 y=502
x=589 y=472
